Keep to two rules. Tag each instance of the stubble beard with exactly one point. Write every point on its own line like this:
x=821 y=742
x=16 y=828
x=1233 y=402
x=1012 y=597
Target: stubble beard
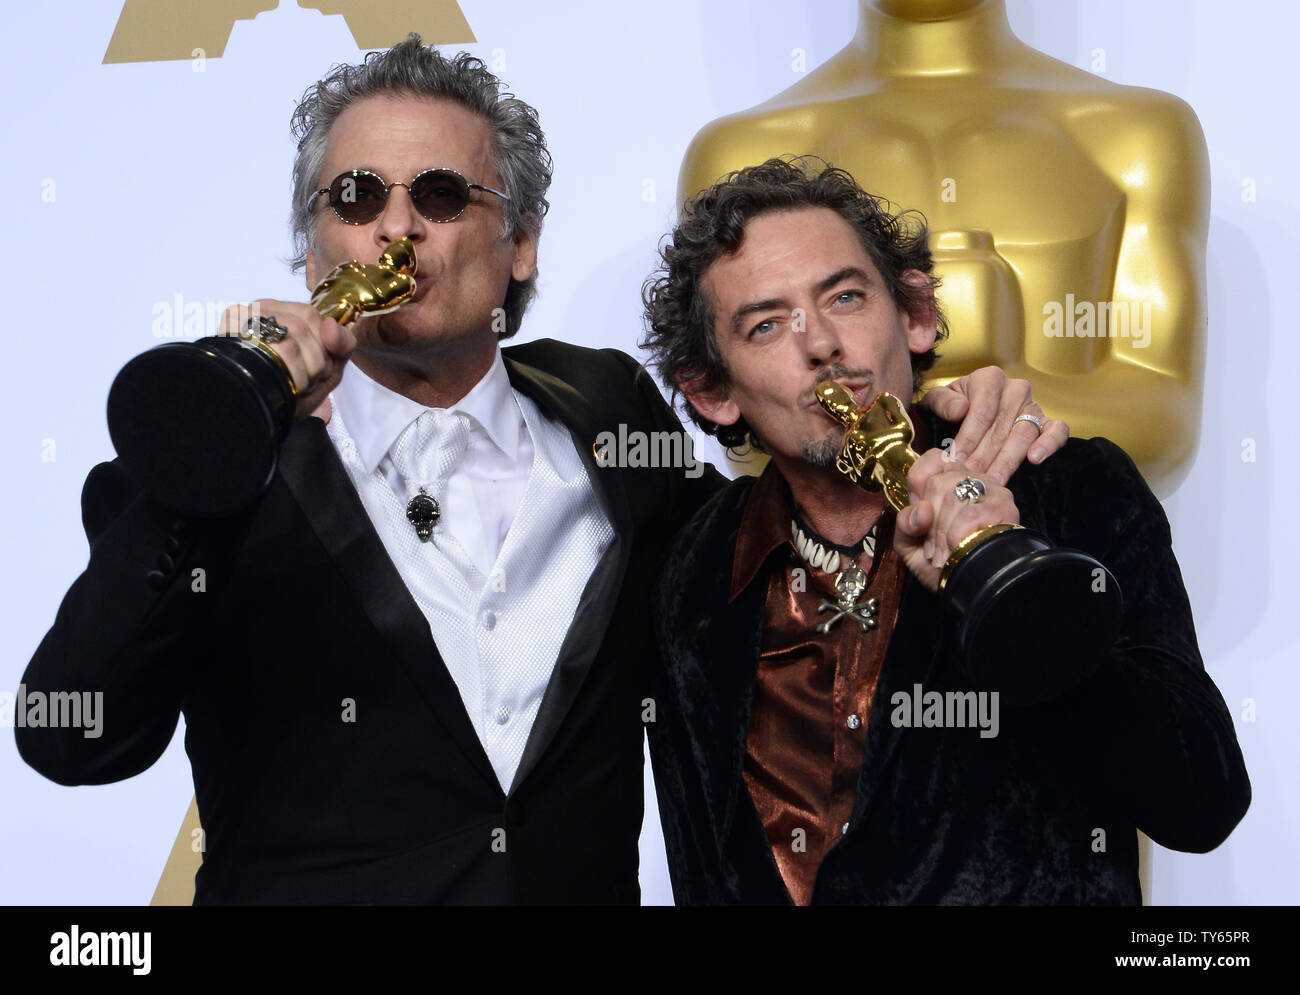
x=822 y=452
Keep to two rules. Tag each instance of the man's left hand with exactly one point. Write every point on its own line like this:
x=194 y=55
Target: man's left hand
x=990 y=441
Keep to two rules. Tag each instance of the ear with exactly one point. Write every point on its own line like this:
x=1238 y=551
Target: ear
x=311 y=269
x=921 y=320
x=715 y=405
x=525 y=263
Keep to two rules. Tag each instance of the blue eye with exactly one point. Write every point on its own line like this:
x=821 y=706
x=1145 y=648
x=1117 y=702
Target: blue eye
x=762 y=327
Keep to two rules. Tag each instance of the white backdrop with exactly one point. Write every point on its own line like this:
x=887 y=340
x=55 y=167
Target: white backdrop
x=127 y=185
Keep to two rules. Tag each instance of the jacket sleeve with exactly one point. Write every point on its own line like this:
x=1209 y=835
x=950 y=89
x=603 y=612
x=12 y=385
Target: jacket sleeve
x=1150 y=727
x=129 y=629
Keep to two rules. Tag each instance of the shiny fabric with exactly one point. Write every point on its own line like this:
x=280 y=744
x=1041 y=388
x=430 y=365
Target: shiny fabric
x=813 y=694
x=1045 y=812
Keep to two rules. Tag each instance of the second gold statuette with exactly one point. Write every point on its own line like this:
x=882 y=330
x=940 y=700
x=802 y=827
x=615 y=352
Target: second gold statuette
x=1029 y=619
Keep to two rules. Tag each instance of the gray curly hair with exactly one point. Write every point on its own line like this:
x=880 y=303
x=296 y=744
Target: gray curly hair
x=519 y=151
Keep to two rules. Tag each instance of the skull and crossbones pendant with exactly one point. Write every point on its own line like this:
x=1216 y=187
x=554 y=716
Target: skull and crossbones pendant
x=849 y=585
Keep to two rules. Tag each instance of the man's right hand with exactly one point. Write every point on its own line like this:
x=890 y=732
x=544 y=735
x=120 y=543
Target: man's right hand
x=315 y=349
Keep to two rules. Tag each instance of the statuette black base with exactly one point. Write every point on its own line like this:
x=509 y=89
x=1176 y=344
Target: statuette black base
x=1032 y=620
x=199 y=425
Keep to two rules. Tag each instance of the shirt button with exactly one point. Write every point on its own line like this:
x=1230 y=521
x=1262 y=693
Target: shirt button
x=503 y=715
x=844 y=829
x=854 y=722
x=489 y=621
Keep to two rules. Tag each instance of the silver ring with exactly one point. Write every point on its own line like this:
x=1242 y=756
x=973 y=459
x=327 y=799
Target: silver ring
x=1030 y=418
x=971 y=490
x=266 y=328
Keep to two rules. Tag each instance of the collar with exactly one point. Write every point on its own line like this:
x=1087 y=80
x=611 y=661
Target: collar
x=376 y=416
x=765 y=521
x=764 y=528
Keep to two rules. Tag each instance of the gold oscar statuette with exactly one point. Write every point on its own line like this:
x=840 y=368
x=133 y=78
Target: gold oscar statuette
x=354 y=288
x=199 y=425
x=1031 y=619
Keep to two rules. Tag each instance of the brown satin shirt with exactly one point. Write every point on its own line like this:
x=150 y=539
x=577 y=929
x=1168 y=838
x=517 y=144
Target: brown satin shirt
x=813 y=695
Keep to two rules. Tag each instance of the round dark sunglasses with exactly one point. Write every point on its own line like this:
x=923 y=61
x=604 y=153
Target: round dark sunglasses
x=440 y=194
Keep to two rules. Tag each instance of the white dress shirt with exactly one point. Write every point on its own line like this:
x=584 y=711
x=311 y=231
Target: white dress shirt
x=485 y=491
x=520 y=534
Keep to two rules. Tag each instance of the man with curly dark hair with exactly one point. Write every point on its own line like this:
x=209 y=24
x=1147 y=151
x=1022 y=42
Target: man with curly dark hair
x=813 y=758
x=680 y=319
x=685 y=353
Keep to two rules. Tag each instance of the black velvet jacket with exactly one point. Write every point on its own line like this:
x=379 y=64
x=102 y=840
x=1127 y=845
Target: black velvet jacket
x=1044 y=812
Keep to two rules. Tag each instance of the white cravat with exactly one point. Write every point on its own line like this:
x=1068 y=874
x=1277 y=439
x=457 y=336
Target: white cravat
x=431 y=446
x=483 y=493
x=501 y=576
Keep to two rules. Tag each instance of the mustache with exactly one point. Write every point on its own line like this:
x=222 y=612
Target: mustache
x=836 y=371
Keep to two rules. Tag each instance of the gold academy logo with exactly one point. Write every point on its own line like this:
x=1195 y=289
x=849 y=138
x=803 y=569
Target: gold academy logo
x=160 y=30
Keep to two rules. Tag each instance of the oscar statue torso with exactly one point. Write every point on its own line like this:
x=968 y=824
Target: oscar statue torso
x=1068 y=214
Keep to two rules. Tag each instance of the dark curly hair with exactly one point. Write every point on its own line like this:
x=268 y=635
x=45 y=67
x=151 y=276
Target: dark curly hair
x=679 y=318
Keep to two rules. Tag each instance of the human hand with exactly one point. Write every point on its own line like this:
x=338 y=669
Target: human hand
x=936 y=520
x=990 y=441
x=315 y=349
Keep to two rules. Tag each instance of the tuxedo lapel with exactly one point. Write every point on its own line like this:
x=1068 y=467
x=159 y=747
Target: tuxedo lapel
x=560 y=402
x=311 y=470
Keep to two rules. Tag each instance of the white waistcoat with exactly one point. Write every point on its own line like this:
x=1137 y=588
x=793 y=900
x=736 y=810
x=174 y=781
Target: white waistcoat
x=499 y=635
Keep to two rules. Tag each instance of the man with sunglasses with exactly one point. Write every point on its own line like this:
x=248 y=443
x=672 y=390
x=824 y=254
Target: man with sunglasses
x=414 y=670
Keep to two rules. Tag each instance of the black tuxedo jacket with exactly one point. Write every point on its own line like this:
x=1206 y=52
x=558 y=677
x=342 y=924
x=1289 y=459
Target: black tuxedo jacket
x=262 y=629
x=1044 y=812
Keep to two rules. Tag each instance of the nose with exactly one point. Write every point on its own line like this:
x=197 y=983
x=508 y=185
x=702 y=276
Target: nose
x=820 y=339
x=399 y=218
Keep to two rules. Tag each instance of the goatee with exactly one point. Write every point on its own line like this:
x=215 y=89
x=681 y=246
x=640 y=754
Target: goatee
x=821 y=452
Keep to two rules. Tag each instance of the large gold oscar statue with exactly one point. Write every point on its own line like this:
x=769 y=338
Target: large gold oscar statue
x=1068 y=214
